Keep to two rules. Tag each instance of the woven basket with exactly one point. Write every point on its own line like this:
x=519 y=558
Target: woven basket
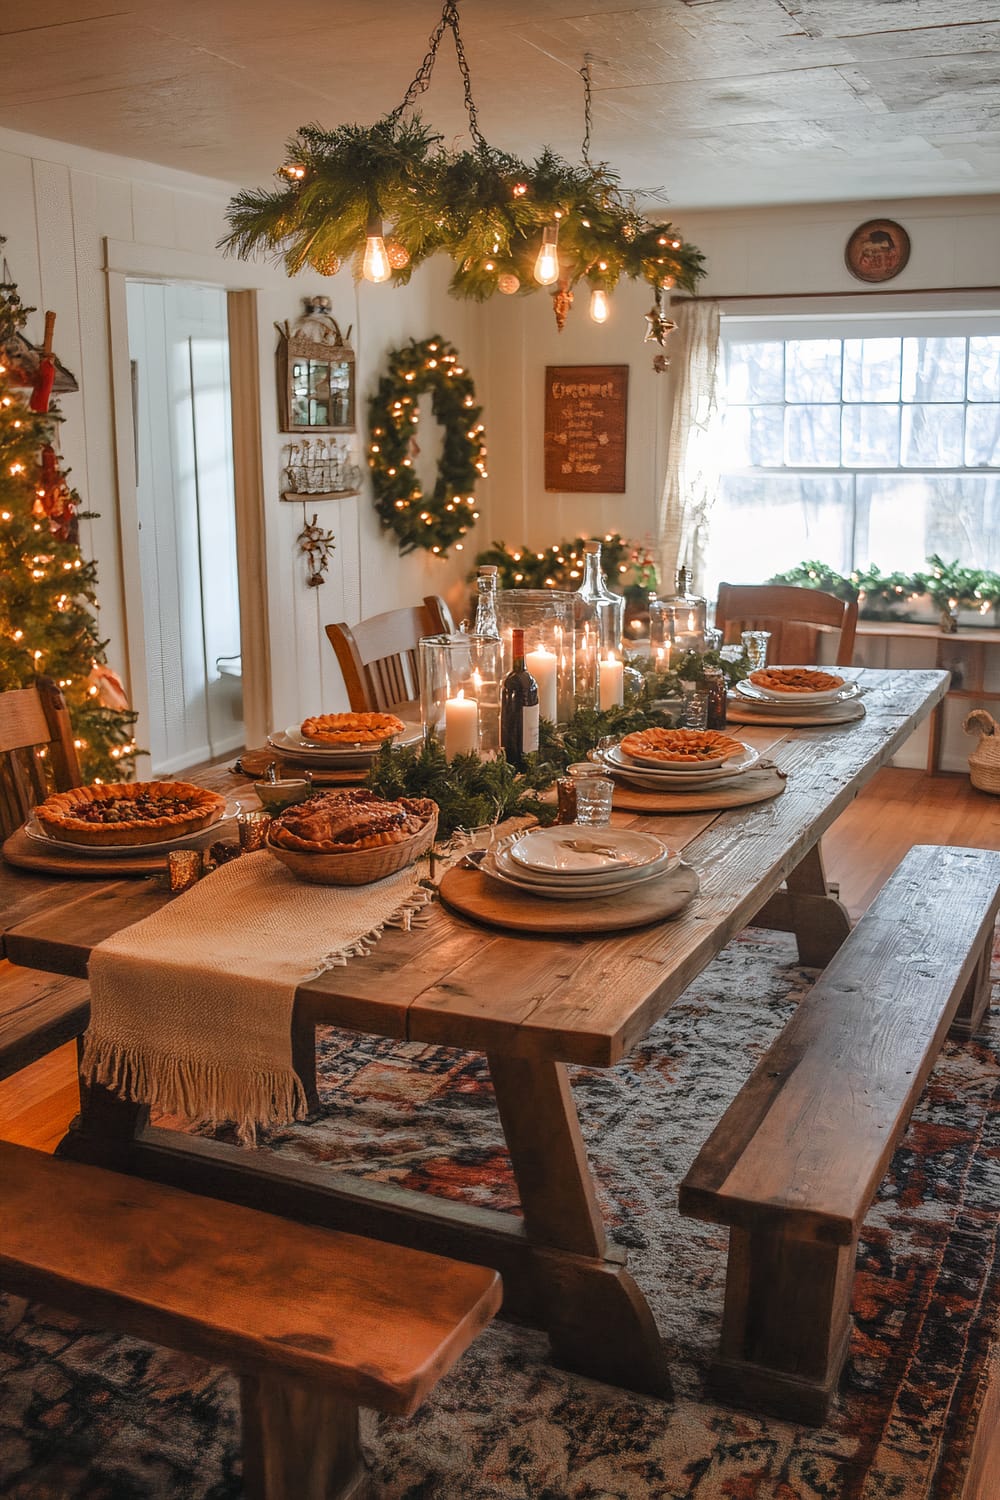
x=361 y=868
x=984 y=762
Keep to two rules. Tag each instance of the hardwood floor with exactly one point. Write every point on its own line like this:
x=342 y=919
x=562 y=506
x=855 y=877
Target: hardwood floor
x=898 y=809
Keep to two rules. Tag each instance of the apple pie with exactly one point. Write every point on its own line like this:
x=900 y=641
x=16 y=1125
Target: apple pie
x=351 y=729
x=681 y=746
x=348 y=822
x=795 y=680
x=129 y=812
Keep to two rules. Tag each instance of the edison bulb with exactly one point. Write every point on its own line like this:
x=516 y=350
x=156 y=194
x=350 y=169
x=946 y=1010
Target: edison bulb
x=375 y=264
x=599 y=308
x=547 y=264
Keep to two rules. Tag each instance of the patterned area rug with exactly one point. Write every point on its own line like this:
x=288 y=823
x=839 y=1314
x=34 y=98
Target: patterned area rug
x=86 y=1414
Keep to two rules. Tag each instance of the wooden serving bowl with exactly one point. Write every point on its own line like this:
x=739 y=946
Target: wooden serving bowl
x=363 y=867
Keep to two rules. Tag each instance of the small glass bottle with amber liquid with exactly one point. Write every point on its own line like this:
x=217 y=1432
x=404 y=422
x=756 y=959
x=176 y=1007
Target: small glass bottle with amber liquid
x=518 y=708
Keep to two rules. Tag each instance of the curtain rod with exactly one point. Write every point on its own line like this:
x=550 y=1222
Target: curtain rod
x=895 y=291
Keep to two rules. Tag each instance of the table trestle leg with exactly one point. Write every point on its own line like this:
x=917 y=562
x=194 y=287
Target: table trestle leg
x=299 y=1443
x=808 y=908
x=598 y=1321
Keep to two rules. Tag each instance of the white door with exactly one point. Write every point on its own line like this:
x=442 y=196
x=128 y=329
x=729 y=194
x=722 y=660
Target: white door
x=179 y=349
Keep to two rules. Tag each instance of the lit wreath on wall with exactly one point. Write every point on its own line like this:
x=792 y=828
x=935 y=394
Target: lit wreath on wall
x=440 y=520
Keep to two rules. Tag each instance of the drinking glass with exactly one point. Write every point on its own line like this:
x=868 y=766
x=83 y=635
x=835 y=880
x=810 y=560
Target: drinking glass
x=593 y=799
x=755 y=646
x=695 y=709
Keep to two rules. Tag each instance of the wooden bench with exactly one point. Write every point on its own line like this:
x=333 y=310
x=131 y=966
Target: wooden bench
x=314 y=1322
x=796 y=1160
x=38 y=1013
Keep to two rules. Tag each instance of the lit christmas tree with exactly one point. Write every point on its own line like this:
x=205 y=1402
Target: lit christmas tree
x=48 y=621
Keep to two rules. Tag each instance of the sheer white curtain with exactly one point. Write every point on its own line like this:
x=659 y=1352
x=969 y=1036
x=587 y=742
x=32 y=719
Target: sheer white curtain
x=691 y=483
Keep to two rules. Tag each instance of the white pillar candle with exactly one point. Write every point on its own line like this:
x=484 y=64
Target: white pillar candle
x=612 y=682
x=542 y=664
x=461 y=725
x=663 y=658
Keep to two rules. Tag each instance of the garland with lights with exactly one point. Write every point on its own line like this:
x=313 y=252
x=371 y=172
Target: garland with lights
x=882 y=595
x=439 y=520
x=48 y=624
x=627 y=565
x=508 y=225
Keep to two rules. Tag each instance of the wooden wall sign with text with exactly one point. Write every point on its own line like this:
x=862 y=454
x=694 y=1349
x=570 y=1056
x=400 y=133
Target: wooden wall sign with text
x=586 y=407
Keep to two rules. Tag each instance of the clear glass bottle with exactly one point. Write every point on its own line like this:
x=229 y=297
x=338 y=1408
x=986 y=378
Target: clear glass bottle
x=686 y=613
x=486 y=604
x=599 y=619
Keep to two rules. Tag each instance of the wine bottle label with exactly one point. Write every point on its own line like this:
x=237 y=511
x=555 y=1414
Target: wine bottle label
x=529 y=729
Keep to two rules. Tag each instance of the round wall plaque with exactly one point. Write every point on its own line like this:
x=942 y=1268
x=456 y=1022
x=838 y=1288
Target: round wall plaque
x=877 y=250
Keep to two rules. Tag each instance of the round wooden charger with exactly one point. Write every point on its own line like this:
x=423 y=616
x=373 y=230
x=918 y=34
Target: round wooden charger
x=754 y=786
x=254 y=763
x=472 y=894
x=841 y=713
x=63 y=859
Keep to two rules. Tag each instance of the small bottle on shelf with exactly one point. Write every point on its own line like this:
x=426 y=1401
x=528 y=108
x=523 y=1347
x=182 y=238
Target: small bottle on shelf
x=518 y=708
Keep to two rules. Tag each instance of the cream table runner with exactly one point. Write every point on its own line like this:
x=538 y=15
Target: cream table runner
x=191 y=1008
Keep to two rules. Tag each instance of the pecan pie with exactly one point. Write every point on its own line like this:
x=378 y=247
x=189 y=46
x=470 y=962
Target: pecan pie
x=351 y=729
x=681 y=746
x=348 y=822
x=795 y=680
x=129 y=812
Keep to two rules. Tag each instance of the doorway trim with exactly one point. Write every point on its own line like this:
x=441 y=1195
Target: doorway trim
x=123 y=261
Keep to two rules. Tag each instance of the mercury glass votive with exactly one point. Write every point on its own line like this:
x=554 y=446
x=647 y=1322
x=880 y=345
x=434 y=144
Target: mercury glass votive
x=252 y=828
x=460 y=678
x=184 y=868
x=546 y=617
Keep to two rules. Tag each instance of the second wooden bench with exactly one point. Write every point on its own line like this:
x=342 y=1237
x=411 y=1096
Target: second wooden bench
x=315 y=1323
x=796 y=1160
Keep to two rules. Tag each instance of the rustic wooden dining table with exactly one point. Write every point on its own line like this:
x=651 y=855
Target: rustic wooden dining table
x=534 y=1005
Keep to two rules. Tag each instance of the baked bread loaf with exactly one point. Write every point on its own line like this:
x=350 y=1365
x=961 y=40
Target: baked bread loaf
x=351 y=729
x=681 y=746
x=795 y=680
x=129 y=812
x=347 y=822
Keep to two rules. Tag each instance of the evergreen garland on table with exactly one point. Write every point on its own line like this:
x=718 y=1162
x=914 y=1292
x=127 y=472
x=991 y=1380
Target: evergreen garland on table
x=48 y=599
x=437 y=521
x=881 y=595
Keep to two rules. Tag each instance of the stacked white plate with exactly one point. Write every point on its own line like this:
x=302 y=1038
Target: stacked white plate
x=793 y=702
x=678 y=776
x=290 y=745
x=575 y=862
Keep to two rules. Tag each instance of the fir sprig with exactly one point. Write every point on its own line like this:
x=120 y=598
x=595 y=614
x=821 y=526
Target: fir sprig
x=469 y=792
x=886 y=594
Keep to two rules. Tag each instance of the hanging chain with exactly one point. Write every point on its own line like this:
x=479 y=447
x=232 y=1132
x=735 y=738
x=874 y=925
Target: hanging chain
x=449 y=17
x=587 y=114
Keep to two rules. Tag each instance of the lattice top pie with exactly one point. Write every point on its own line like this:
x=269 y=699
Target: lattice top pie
x=351 y=729
x=795 y=680
x=349 y=821
x=681 y=746
x=129 y=812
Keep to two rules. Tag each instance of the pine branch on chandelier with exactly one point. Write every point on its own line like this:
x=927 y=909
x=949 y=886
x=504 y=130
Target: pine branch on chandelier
x=389 y=195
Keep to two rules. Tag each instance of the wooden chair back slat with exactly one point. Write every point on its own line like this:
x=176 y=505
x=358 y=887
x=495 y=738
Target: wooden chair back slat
x=37 y=753
x=378 y=656
x=794 y=616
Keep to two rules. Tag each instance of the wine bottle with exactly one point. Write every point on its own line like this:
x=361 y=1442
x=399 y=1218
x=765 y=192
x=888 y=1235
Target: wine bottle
x=518 y=708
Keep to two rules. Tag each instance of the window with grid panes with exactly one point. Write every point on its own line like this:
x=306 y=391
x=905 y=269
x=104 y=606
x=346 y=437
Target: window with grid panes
x=858 y=442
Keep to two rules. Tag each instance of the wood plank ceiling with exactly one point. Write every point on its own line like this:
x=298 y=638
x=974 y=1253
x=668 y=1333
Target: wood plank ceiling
x=716 y=102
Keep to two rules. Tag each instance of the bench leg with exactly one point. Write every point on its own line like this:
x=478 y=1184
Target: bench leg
x=808 y=907
x=299 y=1443
x=976 y=1001
x=786 y=1324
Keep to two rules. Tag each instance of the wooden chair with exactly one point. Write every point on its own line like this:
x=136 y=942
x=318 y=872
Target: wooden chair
x=795 y=617
x=37 y=752
x=379 y=656
x=38 y=1012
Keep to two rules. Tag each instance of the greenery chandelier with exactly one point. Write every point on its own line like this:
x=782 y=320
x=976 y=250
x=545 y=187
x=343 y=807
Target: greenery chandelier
x=389 y=195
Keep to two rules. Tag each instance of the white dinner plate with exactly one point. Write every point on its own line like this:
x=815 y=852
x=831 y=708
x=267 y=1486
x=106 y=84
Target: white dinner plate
x=550 y=851
x=34 y=831
x=567 y=890
x=792 y=701
x=598 y=880
x=700 y=773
